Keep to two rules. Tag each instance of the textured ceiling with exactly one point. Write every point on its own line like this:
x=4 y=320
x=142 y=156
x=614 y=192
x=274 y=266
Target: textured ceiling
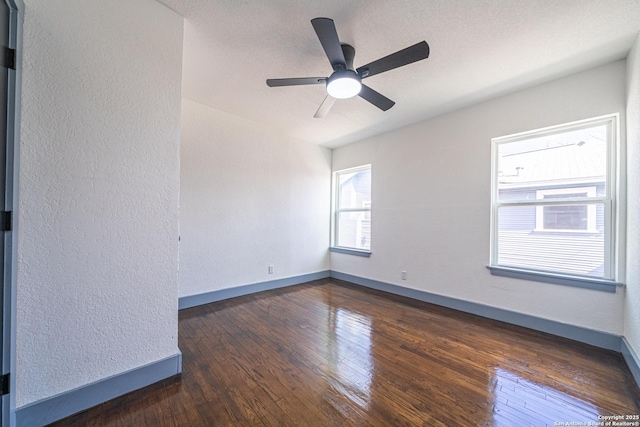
x=479 y=49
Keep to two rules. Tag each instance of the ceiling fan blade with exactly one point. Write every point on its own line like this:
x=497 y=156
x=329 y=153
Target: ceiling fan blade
x=377 y=99
x=328 y=36
x=296 y=81
x=402 y=57
x=324 y=107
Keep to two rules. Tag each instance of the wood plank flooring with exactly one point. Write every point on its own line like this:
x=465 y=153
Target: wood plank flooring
x=329 y=353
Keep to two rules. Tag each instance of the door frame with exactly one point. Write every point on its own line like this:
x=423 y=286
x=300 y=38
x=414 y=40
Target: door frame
x=9 y=285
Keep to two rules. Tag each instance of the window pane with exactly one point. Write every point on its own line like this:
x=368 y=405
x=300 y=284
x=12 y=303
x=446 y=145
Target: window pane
x=552 y=161
x=354 y=230
x=354 y=190
x=521 y=245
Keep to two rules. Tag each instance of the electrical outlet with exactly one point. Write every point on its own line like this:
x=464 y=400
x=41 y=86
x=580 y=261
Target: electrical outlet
x=403 y=275
x=271 y=269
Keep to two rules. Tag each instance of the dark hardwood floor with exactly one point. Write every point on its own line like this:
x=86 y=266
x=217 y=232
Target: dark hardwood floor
x=329 y=353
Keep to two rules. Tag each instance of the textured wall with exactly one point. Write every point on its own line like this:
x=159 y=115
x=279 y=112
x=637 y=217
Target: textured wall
x=431 y=200
x=249 y=198
x=632 y=303
x=98 y=193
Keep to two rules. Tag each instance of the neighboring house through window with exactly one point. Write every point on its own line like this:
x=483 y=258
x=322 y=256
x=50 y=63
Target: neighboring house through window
x=553 y=200
x=566 y=217
x=352 y=210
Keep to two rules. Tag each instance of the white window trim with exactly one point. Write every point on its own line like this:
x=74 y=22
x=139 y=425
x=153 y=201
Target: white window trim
x=591 y=208
x=612 y=225
x=336 y=212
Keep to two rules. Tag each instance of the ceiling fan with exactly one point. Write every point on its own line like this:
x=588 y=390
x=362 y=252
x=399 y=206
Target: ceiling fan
x=345 y=81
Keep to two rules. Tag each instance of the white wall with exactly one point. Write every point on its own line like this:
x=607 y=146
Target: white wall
x=249 y=198
x=431 y=200
x=98 y=192
x=632 y=302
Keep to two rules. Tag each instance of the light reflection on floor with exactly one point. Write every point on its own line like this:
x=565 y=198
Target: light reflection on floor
x=519 y=401
x=350 y=355
x=347 y=351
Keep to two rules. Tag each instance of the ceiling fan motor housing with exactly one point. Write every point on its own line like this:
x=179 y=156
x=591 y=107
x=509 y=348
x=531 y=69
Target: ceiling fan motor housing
x=349 y=53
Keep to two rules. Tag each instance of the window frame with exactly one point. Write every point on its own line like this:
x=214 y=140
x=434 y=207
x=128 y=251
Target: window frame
x=336 y=211
x=612 y=270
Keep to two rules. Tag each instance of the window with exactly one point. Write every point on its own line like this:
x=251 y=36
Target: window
x=553 y=202
x=352 y=210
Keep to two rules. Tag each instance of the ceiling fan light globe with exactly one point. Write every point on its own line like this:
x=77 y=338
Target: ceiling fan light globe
x=344 y=85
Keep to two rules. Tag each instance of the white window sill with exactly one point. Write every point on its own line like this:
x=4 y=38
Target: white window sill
x=350 y=251
x=557 y=279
